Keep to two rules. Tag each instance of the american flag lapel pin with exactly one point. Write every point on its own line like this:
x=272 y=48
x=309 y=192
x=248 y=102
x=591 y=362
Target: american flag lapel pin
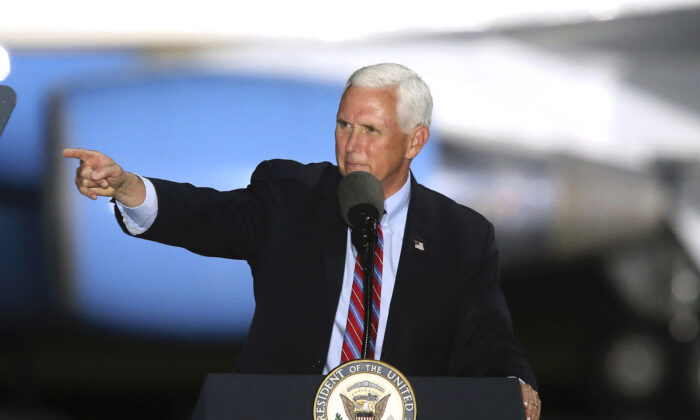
x=418 y=244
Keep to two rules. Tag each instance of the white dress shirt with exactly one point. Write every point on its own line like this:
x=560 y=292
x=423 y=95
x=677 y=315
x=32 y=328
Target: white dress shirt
x=138 y=219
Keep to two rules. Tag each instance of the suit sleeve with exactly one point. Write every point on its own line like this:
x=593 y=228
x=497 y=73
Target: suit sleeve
x=227 y=224
x=485 y=344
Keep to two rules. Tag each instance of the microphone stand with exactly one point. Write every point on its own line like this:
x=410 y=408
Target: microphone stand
x=364 y=237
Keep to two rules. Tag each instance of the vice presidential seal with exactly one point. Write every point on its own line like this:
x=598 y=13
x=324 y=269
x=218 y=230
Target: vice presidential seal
x=365 y=390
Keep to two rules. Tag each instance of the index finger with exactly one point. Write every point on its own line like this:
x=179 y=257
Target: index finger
x=76 y=153
x=91 y=157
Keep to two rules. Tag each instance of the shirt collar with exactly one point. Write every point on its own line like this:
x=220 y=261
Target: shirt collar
x=397 y=202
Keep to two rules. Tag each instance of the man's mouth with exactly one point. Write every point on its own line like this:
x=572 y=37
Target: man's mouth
x=356 y=166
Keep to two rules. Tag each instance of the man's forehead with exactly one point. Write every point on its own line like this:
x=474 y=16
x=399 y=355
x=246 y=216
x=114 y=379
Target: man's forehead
x=388 y=91
x=368 y=100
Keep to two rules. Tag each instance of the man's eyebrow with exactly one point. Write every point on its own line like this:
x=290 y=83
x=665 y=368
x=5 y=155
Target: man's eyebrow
x=340 y=120
x=370 y=126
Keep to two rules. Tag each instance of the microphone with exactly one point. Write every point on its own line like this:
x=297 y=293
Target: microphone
x=361 y=202
x=361 y=198
x=8 y=98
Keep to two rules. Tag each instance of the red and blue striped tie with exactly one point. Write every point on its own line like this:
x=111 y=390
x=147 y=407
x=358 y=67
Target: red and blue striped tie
x=354 y=329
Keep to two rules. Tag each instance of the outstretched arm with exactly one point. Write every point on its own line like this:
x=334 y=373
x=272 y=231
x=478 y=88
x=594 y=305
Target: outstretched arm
x=100 y=175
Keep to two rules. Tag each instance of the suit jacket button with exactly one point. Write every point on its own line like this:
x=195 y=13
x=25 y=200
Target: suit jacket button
x=316 y=364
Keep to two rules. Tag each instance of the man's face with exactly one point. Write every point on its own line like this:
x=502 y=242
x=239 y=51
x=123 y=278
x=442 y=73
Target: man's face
x=368 y=137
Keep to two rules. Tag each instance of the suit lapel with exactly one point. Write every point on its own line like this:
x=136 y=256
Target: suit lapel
x=412 y=273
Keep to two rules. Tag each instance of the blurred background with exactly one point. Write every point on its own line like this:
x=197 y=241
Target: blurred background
x=573 y=126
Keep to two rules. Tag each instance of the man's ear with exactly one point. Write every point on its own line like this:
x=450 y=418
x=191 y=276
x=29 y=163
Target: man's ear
x=418 y=138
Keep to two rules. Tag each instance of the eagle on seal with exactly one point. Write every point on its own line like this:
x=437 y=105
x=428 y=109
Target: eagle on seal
x=379 y=408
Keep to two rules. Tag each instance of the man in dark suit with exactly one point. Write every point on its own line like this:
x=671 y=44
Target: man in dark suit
x=442 y=310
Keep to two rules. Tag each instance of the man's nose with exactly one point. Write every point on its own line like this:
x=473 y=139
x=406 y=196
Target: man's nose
x=354 y=140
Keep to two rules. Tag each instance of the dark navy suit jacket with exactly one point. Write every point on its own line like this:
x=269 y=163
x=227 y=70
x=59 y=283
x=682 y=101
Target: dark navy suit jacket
x=447 y=314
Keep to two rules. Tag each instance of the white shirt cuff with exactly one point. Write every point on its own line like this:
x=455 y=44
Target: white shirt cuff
x=138 y=219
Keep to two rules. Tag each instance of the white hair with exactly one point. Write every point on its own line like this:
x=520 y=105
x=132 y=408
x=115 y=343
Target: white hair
x=415 y=104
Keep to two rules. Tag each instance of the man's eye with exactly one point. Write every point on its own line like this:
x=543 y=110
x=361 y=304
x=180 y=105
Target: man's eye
x=343 y=124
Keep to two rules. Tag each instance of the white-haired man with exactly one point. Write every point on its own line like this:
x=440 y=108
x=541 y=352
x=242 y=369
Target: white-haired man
x=441 y=310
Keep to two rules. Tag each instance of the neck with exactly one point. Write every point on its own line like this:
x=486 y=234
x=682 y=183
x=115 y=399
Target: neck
x=388 y=192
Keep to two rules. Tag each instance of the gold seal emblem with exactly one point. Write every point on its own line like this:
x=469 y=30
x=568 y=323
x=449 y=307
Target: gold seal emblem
x=365 y=390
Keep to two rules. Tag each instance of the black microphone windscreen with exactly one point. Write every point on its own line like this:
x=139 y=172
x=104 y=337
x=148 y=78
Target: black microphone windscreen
x=8 y=98
x=360 y=188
